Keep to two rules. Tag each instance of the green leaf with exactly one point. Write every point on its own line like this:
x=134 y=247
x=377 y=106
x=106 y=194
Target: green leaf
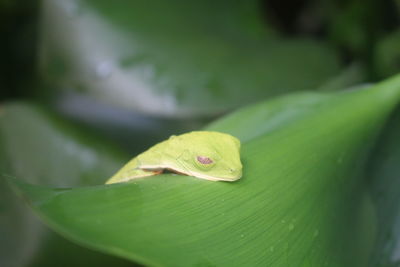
x=387 y=55
x=175 y=58
x=53 y=151
x=301 y=201
x=384 y=183
x=43 y=148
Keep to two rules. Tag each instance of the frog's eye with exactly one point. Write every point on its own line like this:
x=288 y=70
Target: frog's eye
x=204 y=160
x=204 y=163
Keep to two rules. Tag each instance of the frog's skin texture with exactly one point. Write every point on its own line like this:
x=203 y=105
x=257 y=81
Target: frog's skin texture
x=207 y=155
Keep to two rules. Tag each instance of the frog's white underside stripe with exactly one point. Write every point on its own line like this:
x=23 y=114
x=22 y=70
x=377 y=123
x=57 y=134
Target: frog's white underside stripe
x=185 y=172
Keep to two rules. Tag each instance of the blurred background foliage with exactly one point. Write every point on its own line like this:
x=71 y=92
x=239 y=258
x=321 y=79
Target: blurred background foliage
x=106 y=79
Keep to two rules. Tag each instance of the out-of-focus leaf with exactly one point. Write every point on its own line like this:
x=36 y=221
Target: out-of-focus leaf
x=40 y=146
x=301 y=201
x=387 y=56
x=44 y=149
x=351 y=76
x=384 y=175
x=132 y=130
x=347 y=24
x=175 y=58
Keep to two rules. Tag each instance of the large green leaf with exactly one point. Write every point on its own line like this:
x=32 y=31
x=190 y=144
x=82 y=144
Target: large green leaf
x=43 y=148
x=174 y=58
x=301 y=201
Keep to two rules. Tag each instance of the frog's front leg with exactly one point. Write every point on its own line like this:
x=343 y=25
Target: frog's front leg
x=131 y=171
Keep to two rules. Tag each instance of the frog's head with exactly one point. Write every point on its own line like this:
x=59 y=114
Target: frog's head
x=210 y=155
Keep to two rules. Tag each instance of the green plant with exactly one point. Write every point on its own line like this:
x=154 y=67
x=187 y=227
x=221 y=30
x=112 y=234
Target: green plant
x=321 y=167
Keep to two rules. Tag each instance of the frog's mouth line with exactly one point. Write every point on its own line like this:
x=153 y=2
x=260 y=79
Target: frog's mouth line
x=189 y=173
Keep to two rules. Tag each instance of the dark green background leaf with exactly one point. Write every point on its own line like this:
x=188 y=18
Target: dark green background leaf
x=384 y=183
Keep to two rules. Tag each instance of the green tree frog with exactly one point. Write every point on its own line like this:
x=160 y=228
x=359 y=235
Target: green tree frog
x=207 y=155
